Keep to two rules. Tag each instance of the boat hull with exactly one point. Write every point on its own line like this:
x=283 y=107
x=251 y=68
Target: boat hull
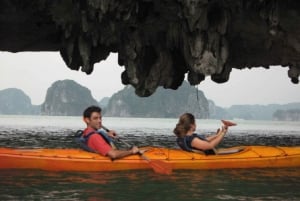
x=79 y=160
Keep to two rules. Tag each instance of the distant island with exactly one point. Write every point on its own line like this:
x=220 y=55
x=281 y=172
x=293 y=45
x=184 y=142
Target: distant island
x=15 y=101
x=261 y=112
x=164 y=103
x=287 y=115
x=68 y=98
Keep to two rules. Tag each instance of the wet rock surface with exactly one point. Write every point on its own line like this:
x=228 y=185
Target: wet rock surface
x=158 y=41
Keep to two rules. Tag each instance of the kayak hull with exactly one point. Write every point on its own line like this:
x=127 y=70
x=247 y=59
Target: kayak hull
x=79 y=160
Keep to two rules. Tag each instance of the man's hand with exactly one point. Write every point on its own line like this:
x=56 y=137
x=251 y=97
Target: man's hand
x=112 y=134
x=135 y=150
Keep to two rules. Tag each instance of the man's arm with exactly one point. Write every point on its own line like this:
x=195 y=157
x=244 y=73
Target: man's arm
x=97 y=143
x=115 y=154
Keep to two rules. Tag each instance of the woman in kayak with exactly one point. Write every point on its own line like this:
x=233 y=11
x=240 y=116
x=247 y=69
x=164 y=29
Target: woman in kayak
x=188 y=140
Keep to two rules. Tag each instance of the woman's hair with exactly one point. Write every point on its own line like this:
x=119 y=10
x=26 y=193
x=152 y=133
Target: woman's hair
x=184 y=124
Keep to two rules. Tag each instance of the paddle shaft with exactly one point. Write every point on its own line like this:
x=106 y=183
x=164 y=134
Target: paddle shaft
x=107 y=130
x=140 y=153
x=158 y=166
x=124 y=142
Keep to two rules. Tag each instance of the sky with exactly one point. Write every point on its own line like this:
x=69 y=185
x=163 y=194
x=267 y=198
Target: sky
x=35 y=72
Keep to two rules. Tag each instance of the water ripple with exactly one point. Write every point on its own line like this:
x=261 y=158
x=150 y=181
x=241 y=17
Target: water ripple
x=44 y=138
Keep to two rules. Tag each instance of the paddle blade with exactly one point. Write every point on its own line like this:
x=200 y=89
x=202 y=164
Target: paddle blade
x=160 y=167
x=228 y=123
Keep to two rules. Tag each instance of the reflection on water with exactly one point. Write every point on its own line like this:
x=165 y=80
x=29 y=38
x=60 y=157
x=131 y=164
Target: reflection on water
x=58 y=132
x=257 y=184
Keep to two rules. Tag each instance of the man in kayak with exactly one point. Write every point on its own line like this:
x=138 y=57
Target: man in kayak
x=99 y=142
x=188 y=140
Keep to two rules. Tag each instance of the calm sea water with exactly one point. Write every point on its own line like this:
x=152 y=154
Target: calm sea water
x=58 y=132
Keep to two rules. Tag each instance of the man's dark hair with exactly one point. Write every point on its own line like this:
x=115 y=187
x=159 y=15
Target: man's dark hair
x=88 y=111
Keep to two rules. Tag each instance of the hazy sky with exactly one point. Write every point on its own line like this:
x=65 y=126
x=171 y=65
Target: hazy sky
x=35 y=72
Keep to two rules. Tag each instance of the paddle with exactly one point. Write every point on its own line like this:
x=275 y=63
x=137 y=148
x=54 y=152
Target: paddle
x=157 y=165
x=228 y=123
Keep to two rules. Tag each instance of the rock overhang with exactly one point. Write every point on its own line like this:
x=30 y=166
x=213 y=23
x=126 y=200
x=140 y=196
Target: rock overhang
x=158 y=42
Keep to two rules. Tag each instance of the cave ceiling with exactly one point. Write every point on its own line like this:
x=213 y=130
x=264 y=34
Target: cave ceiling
x=158 y=42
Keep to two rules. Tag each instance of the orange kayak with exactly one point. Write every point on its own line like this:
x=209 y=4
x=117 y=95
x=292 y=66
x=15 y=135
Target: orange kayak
x=79 y=160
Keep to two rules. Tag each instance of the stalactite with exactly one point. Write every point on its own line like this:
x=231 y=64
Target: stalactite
x=158 y=42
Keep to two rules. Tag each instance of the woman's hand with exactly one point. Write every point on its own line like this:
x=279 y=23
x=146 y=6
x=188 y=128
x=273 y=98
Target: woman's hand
x=224 y=129
x=226 y=125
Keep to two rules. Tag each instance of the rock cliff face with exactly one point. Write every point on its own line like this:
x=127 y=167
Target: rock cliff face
x=15 y=101
x=163 y=104
x=67 y=98
x=158 y=41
